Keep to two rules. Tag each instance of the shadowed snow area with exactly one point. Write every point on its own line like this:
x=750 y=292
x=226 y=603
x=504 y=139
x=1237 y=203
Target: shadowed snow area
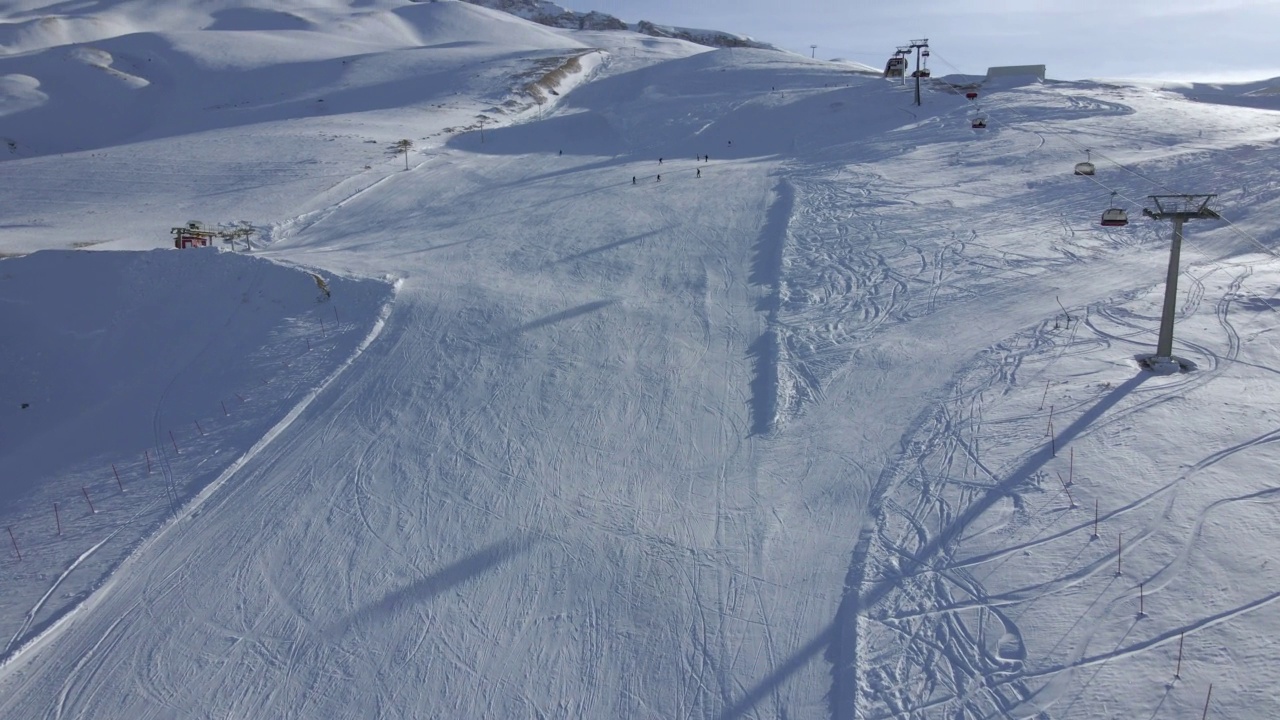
x=644 y=380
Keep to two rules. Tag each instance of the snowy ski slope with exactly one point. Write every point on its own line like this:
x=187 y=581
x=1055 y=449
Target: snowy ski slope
x=814 y=427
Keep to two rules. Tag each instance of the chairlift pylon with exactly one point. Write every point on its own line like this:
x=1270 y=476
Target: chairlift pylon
x=1114 y=216
x=1086 y=167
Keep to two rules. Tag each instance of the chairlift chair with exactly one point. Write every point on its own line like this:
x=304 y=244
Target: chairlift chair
x=1086 y=167
x=1114 y=216
x=979 y=123
x=971 y=95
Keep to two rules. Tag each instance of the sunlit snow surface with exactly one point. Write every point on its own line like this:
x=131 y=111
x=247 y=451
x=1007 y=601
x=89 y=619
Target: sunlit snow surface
x=813 y=428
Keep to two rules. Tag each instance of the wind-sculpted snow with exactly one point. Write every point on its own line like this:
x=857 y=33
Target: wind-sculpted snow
x=20 y=92
x=163 y=81
x=717 y=384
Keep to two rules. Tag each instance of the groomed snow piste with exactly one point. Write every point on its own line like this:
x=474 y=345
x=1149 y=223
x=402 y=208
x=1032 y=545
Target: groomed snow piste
x=652 y=381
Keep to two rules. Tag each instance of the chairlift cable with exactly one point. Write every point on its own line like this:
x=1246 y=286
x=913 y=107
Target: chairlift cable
x=1090 y=152
x=1080 y=146
x=1232 y=226
x=1039 y=126
x=1091 y=178
x=1070 y=139
x=1236 y=229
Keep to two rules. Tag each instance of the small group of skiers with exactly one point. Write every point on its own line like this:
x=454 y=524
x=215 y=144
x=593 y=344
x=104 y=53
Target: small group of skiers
x=697 y=174
x=658 y=178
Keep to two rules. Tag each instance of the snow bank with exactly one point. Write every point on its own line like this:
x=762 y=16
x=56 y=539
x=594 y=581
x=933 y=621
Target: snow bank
x=131 y=380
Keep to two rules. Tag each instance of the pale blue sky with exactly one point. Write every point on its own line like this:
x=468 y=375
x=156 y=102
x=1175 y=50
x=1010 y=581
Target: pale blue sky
x=1165 y=39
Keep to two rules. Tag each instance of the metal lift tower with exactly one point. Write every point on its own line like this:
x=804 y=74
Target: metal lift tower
x=918 y=45
x=1179 y=209
x=903 y=51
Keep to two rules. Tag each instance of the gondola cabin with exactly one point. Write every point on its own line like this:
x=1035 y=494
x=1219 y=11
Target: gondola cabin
x=896 y=67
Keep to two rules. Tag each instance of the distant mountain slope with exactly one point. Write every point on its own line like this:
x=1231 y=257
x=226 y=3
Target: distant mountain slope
x=549 y=13
x=163 y=80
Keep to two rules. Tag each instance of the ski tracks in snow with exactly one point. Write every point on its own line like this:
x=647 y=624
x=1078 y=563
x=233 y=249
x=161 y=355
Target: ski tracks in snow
x=934 y=637
x=935 y=632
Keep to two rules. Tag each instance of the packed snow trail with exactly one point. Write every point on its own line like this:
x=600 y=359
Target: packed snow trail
x=504 y=472
x=670 y=448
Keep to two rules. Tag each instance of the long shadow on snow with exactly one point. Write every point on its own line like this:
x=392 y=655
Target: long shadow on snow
x=611 y=246
x=764 y=385
x=766 y=261
x=840 y=637
x=563 y=315
x=766 y=271
x=444 y=579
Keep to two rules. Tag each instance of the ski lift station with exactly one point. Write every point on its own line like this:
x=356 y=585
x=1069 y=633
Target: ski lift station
x=1016 y=71
x=896 y=67
x=192 y=235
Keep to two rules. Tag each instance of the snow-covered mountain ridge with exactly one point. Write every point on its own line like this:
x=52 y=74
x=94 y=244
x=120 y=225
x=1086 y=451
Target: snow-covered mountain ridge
x=545 y=12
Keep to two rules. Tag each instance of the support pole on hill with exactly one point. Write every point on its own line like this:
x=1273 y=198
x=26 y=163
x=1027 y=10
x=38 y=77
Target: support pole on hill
x=917 y=45
x=403 y=147
x=1179 y=209
x=902 y=53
